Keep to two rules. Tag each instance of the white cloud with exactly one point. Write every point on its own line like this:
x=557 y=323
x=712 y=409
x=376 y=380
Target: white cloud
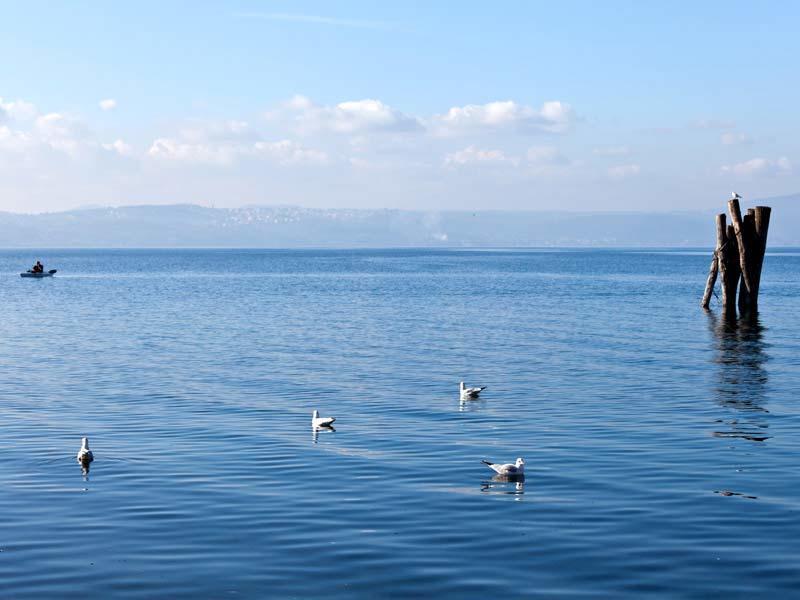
x=546 y=155
x=623 y=171
x=353 y=116
x=759 y=166
x=552 y=117
x=287 y=152
x=359 y=117
x=474 y=155
x=62 y=133
x=299 y=102
x=25 y=129
x=174 y=150
x=108 y=104
x=223 y=144
x=120 y=147
x=733 y=139
x=17 y=110
x=15 y=141
x=217 y=132
x=546 y=161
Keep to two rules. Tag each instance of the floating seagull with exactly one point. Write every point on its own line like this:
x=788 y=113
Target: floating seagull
x=735 y=196
x=518 y=468
x=84 y=455
x=317 y=421
x=472 y=392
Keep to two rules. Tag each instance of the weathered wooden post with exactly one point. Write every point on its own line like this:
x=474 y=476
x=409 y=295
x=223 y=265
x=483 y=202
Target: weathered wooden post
x=726 y=239
x=739 y=255
x=736 y=222
x=714 y=268
x=761 y=216
x=748 y=237
x=731 y=273
x=712 y=279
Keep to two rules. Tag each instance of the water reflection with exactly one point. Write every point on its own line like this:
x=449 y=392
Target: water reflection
x=315 y=429
x=469 y=405
x=741 y=376
x=505 y=484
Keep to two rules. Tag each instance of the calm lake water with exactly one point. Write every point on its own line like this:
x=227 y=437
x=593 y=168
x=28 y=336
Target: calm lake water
x=662 y=444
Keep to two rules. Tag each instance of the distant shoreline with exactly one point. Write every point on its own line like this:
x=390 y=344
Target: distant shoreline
x=285 y=227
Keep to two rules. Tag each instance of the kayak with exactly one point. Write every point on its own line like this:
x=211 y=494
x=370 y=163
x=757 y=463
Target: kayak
x=50 y=273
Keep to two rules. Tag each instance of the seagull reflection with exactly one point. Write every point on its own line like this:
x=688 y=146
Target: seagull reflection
x=85 y=471
x=470 y=404
x=742 y=378
x=315 y=429
x=501 y=484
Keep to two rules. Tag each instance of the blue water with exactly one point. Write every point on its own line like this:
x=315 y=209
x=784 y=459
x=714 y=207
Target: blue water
x=661 y=443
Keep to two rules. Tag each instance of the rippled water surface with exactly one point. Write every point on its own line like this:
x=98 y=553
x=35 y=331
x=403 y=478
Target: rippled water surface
x=661 y=443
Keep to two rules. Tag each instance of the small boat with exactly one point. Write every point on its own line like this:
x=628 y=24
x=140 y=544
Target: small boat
x=49 y=273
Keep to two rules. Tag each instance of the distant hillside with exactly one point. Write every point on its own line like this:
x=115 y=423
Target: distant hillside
x=287 y=227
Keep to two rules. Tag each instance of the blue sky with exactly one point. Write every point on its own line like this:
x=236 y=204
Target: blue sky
x=574 y=105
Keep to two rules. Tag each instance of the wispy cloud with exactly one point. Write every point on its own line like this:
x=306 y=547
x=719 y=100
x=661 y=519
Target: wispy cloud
x=733 y=139
x=621 y=172
x=759 y=166
x=612 y=151
x=472 y=155
x=318 y=20
x=712 y=124
x=553 y=117
x=352 y=116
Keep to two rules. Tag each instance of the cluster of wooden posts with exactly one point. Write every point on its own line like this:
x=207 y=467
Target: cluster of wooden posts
x=738 y=258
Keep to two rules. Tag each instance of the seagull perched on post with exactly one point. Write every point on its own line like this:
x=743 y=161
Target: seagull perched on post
x=85 y=455
x=472 y=392
x=735 y=196
x=317 y=421
x=517 y=468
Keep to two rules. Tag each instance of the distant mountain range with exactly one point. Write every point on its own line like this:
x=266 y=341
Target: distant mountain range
x=185 y=225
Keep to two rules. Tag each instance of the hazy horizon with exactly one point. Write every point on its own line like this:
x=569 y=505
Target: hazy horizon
x=277 y=205
x=287 y=226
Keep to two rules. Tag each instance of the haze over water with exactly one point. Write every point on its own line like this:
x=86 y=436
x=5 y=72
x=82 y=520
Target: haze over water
x=660 y=442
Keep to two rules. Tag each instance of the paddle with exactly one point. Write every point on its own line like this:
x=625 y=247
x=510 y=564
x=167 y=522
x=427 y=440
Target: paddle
x=51 y=271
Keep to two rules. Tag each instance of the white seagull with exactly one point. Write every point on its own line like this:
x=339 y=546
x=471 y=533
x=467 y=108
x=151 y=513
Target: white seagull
x=517 y=468
x=84 y=455
x=471 y=392
x=735 y=196
x=317 y=421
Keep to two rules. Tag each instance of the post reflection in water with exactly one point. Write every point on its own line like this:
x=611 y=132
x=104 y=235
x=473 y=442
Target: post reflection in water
x=742 y=379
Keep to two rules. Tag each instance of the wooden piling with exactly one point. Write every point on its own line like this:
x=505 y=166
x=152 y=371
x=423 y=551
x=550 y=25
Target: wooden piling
x=713 y=269
x=738 y=259
x=744 y=263
x=761 y=216
x=731 y=273
x=722 y=263
x=749 y=240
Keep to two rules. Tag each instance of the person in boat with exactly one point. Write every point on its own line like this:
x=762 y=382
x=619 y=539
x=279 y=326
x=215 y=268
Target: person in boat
x=38 y=267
